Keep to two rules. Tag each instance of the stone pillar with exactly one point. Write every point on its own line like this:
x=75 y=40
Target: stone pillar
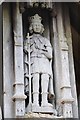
x=19 y=96
x=1 y=55
x=66 y=95
x=57 y=64
x=71 y=61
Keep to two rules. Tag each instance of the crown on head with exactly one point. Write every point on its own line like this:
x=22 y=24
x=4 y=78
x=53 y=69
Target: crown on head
x=35 y=18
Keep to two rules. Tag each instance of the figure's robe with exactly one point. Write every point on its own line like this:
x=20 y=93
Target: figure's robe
x=41 y=58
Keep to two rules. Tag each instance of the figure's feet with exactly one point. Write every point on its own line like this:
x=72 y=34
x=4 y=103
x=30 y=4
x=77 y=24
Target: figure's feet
x=35 y=104
x=47 y=105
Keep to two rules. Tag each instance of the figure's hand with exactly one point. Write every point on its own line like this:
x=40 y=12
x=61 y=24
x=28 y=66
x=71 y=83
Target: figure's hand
x=47 y=52
x=44 y=50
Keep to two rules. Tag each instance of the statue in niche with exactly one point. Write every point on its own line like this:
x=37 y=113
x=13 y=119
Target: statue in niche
x=41 y=59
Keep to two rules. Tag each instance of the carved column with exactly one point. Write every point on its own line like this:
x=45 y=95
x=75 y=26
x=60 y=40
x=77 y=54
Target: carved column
x=71 y=61
x=66 y=95
x=57 y=63
x=1 y=16
x=19 y=96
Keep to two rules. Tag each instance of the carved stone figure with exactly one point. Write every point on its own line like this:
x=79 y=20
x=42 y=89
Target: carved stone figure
x=41 y=59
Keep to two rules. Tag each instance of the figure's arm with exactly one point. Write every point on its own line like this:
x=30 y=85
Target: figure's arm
x=47 y=51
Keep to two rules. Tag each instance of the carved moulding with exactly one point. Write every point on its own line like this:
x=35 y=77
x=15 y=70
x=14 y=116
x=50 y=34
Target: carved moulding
x=42 y=5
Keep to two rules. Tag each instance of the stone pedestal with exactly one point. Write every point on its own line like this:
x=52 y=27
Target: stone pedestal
x=39 y=109
x=42 y=116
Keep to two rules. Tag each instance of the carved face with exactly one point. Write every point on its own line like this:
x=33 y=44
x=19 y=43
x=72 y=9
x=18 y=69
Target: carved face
x=37 y=27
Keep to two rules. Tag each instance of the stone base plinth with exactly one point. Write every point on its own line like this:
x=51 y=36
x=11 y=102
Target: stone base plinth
x=40 y=115
x=40 y=112
x=44 y=110
x=40 y=109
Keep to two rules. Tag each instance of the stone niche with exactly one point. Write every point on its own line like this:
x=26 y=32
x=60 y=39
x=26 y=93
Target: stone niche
x=16 y=95
x=45 y=13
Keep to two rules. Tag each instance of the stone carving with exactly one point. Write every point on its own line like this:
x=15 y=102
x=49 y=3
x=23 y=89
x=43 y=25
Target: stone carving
x=36 y=4
x=39 y=58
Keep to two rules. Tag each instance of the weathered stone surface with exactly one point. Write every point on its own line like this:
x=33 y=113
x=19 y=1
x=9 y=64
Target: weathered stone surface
x=60 y=53
x=66 y=94
x=19 y=96
x=8 y=77
x=39 y=115
x=1 y=55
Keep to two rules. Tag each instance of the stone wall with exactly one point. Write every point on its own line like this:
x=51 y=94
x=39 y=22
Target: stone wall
x=8 y=60
x=0 y=55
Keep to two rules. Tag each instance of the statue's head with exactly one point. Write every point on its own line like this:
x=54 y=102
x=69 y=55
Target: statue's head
x=35 y=24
